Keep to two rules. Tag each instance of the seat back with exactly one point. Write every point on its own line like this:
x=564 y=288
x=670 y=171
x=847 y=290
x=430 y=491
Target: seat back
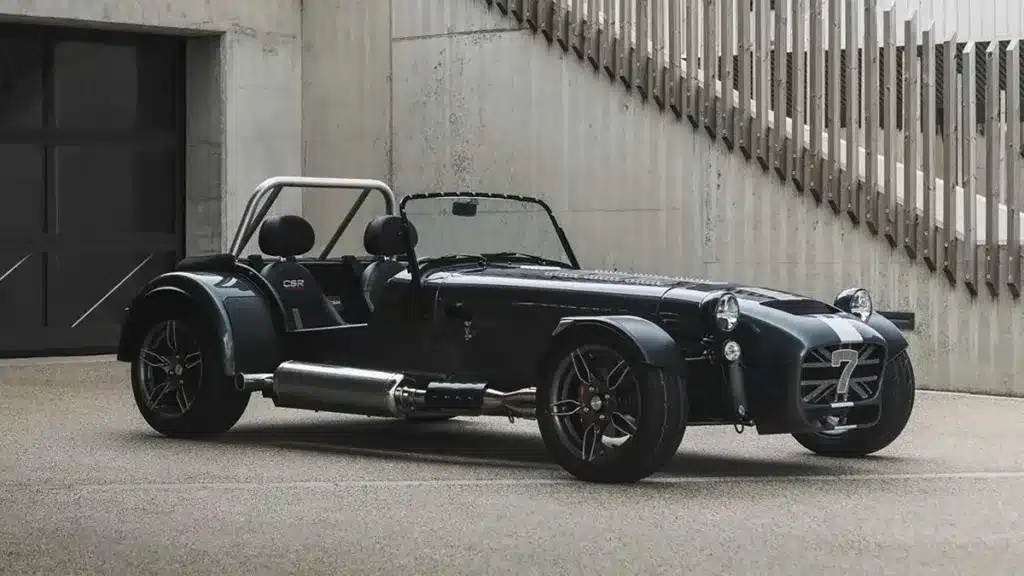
x=375 y=277
x=385 y=237
x=305 y=304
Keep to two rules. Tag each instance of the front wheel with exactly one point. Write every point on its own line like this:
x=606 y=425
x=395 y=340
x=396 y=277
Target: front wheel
x=177 y=380
x=604 y=415
x=897 y=403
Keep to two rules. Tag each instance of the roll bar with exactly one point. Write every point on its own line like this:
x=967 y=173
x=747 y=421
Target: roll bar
x=267 y=192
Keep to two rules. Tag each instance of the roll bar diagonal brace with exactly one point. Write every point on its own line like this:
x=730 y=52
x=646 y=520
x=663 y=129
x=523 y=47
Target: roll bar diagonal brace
x=268 y=191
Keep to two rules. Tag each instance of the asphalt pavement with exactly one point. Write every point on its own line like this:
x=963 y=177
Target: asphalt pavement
x=87 y=488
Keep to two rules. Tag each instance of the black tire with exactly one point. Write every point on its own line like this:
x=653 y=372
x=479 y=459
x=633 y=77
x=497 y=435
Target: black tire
x=659 y=429
x=898 y=389
x=216 y=404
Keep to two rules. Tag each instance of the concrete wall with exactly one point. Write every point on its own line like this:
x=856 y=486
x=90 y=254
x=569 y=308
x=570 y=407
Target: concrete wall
x=479 y=105
x=244 y=94
x=346 y=102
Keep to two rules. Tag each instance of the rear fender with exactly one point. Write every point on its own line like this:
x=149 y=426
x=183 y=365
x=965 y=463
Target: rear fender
x=649 y=340
x=235 y=310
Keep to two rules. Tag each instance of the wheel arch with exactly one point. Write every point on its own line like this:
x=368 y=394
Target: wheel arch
x=895 y=340
x=235 y=310
x=651 y=342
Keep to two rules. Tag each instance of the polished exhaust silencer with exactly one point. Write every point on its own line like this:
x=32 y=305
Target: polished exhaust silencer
x=329 y=388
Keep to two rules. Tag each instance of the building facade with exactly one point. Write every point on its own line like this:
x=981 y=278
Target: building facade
x=132 y=132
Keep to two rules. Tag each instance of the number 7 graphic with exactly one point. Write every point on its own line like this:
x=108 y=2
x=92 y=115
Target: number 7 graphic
x=850 y=358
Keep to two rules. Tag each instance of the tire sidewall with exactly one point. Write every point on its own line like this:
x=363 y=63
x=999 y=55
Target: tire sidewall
x=662 y=401
x=217 y=405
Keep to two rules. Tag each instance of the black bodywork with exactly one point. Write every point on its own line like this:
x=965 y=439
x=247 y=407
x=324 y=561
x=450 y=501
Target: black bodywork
x=465 y=322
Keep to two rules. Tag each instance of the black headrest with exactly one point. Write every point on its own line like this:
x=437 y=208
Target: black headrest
x=385 y=236
x=286 y=236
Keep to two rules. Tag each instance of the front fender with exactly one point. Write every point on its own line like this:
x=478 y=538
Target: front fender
x=654 y=345
x=895 y=341
x=235 y=309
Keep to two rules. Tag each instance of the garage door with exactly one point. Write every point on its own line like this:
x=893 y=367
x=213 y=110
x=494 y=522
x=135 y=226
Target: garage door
x=91 y=181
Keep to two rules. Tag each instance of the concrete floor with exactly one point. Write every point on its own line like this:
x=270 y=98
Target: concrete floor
x=87 y=488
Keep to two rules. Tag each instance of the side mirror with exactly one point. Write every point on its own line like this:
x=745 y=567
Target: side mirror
x=389 y=236
x=465 y=207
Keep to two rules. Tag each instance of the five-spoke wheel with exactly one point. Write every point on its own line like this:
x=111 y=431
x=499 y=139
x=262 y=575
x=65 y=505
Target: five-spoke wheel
x=595 y=400
x=170 y=368
x=178 y=378
x=605 y=415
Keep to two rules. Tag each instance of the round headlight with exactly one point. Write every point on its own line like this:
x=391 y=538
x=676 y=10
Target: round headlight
x=861 y=305
x=727 y=312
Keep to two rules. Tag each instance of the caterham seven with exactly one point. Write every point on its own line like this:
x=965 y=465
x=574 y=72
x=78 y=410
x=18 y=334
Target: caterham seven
x=474 y=304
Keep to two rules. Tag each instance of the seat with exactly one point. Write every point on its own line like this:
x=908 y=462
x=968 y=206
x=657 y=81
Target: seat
x=383 y=238
x=375 y=278
x=306 y=305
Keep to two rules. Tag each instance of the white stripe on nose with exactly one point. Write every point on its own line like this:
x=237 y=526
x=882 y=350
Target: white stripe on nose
x=843 y=328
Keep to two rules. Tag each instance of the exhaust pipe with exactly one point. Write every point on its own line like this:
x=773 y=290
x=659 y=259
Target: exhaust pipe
x=341 y=389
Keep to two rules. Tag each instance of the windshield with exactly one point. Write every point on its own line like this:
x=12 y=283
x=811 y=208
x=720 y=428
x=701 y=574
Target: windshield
x=485 y=226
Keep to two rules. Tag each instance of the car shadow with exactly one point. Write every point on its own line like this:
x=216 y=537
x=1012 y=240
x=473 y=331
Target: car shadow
x=465 y=443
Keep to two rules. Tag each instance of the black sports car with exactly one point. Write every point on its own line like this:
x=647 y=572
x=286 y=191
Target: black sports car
x=475 y=305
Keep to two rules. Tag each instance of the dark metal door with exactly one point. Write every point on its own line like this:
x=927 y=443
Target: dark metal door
x=91 y=181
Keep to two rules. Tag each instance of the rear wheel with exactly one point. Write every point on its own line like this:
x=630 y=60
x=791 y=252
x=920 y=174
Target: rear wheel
x=604 y=415
x=897 y=403
x=177 y=380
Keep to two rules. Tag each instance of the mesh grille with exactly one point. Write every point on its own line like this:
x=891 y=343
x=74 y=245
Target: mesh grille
x=819 y=378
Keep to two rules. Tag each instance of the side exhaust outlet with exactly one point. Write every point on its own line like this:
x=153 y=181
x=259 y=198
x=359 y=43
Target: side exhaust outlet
x=345 y=390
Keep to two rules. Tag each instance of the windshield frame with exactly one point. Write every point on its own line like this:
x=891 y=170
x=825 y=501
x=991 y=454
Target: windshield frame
x=562 y=238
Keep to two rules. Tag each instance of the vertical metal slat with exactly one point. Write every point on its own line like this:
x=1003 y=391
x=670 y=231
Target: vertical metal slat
x=797 y=170
x=911 y=103
x=710 y=67
x=692 y=63
x=609 y=29
x=781 y=51
x=625 y=43
x=592 y=33
x=577 y=23
x=560 y=18
x=926 y=228
x=658 y=70
x=992 y=129
x=950 y=141
x=851 y=177
x=889 y=126
x=969 y=130
x=833 y=189
x=641 y=53
x=1013 y=256
x=515 y=7
x=870 y=192
x=762 y=82
x=675 y=56
x=545 y=18
x=746 y=52
x=530 y=14
x=726 y=120
x=816 y=103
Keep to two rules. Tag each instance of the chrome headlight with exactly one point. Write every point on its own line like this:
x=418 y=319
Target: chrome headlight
x=727 y=312
x=856 y=301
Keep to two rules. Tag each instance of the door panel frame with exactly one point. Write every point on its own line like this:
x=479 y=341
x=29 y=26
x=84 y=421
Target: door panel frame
x=94 y=339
